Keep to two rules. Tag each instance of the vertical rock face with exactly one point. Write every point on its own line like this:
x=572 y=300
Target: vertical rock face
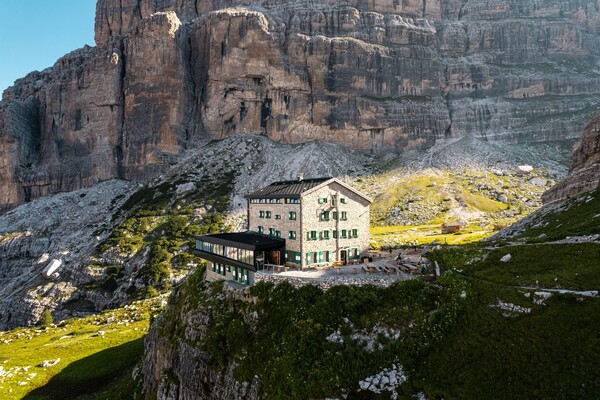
x=584 y=173
x=157 y=94
x=379 y=76
x=59 y=129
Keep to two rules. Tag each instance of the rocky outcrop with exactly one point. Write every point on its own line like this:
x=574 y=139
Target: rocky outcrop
x=176 y=367
x=378 y=76
x=584 y=173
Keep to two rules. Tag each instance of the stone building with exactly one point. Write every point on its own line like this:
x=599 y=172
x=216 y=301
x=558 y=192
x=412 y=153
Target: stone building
x=302 y=223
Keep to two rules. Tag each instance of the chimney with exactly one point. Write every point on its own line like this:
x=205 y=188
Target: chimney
x=300 y=177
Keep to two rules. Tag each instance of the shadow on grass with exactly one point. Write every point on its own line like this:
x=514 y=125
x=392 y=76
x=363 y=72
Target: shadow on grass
x=92 y=374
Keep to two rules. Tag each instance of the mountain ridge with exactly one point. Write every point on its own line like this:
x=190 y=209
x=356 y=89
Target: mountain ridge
x=374 y=76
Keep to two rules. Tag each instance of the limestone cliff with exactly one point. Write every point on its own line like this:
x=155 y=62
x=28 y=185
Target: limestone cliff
x=379 y=76
x=584 y=173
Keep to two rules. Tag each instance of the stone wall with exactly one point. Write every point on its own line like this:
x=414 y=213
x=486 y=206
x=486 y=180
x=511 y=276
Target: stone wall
x=357 y=209
x=284 y=224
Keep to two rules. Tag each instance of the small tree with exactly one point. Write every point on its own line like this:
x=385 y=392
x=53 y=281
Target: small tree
x=47 y=318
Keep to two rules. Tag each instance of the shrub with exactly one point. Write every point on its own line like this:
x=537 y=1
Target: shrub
x=147 y=292
x=47 y=318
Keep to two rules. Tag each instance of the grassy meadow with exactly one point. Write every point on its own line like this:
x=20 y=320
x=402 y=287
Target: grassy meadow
x=95 y=353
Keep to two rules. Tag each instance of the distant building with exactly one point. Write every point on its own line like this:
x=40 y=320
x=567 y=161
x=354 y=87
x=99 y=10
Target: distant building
x=304 y=223
x=452 y=227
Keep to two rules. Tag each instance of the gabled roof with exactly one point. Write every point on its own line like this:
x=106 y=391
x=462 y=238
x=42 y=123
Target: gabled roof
x=289 y=189
x=350 y=188
x=296 y=188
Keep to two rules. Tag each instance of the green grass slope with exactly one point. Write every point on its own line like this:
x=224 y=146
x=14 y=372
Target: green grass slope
x=578 y=216
x=96 y=356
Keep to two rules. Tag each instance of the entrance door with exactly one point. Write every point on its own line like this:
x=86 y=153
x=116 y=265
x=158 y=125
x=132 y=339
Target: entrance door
x=344 y=257
x=275 y=258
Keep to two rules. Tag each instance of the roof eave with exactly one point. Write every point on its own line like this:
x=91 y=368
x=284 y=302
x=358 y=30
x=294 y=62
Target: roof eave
x=367 y=198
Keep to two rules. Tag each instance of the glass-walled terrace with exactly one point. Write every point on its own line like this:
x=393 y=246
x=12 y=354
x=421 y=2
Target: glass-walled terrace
x=234 y=253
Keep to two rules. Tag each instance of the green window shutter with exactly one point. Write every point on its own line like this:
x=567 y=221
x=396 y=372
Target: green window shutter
x=320 y=256
x=307 y=258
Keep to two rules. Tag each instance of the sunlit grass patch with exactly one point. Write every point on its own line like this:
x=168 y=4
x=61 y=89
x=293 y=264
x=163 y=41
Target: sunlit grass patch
x=425 y=234
x=92 y=352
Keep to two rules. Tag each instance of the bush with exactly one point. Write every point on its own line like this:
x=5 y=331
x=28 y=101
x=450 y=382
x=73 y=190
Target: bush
x=176 y=226
x=47 y=318
x=147 y=292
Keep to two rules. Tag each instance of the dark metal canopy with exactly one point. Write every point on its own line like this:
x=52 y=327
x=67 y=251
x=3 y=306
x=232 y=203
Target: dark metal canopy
x=244 y=240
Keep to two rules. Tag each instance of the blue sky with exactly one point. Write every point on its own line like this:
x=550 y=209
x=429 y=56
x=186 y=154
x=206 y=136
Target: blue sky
x=35 y=33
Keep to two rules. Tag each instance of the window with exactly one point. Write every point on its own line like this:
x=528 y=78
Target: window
x=325 y=235
x=292 y=201
x=312 y=235
x=335 y=215
x=322 y=200
x=335 y=234
x=343 y=200
x=292 y=235
x=271 y=231
x=325 y=216
x=344 y=216
x=261 y=214
x=344 y=234
x=277 y=234
x=268 y=214
x=277 y=216
x=261 y=201
x=333 y=200
x=260 y=229
x=292 y=215
x=354 y=233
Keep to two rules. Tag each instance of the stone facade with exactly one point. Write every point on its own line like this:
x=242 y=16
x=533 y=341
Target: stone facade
x=331 y=223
